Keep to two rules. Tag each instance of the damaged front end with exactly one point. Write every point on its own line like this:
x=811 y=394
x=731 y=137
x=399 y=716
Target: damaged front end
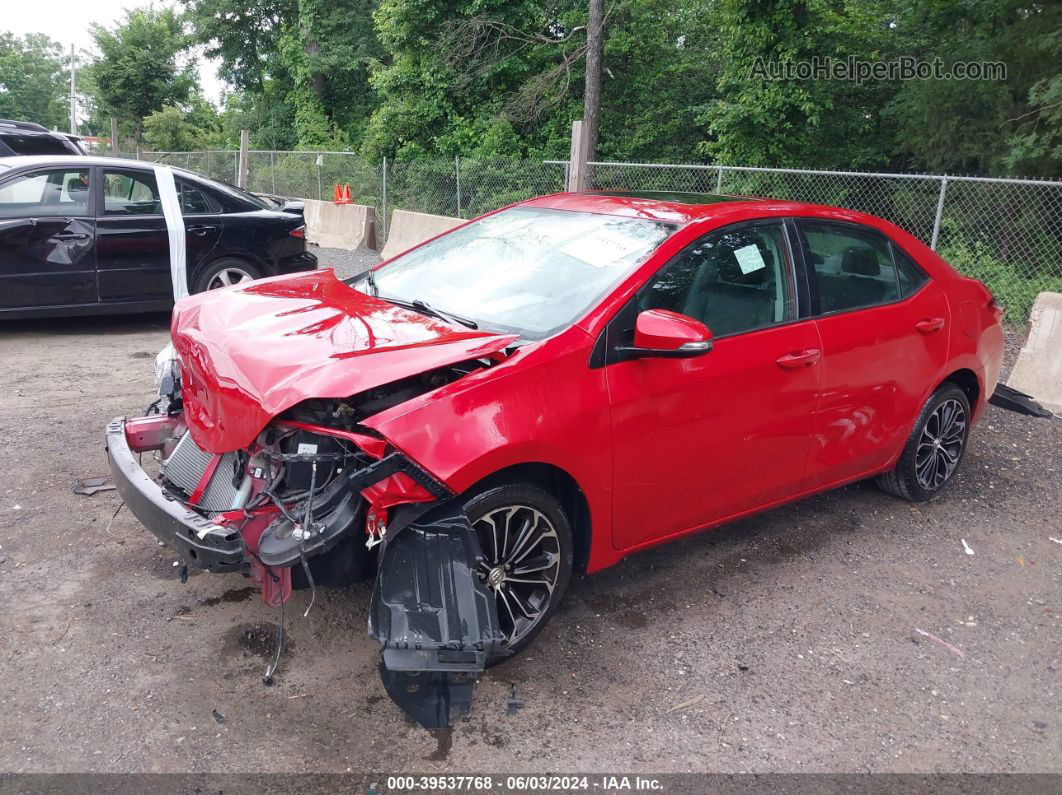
x=318 y=499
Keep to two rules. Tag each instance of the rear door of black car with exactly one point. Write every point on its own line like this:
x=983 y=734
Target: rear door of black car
x=133 y=246
x=47 y=235
x=203 y=223
x=134 y=243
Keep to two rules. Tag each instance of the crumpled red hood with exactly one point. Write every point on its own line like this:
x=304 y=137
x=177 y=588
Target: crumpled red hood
x=249 y=353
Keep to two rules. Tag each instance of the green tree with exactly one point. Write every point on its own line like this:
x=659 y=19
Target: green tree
x=194 y=126
x=244 y=35
x=311 y=56
x=471 y=77
x=765 y=119
x=141 y=68
x=982 y=126
x=33 y=80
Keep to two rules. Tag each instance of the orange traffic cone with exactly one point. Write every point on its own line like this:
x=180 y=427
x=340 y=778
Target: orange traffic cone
x=344 y=196
x=336 y=194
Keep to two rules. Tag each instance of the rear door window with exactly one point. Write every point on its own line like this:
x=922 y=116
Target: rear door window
x=37 y=144
x=853 y=266
x=46 y=193
x=193 y=200
x=130 y=193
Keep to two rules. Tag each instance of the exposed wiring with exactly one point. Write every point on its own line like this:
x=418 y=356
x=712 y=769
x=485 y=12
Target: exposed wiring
x=307 y=525
x=268 y=680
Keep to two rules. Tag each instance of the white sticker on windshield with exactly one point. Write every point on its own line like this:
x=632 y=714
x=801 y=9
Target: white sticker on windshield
x=749 y=258
x=507 y=303
x=603 y=247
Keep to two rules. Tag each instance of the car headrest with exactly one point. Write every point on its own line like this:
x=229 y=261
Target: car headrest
x=75 y=184
x=861 y=260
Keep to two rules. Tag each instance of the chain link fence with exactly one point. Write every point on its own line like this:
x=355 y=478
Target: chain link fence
x=1008 y=233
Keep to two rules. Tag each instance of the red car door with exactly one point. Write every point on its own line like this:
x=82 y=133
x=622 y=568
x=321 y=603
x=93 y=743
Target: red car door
x=702 y=439
x=883 y=326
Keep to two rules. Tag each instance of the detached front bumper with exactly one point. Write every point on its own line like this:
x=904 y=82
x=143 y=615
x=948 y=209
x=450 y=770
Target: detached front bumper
x=201 y=543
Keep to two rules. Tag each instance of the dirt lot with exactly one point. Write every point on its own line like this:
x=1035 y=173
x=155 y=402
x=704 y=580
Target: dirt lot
x=782 y=643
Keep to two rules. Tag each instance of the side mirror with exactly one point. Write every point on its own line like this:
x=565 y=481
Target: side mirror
x=663 y=334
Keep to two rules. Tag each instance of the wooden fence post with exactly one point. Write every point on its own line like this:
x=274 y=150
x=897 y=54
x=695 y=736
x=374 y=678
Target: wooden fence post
x=578 y=172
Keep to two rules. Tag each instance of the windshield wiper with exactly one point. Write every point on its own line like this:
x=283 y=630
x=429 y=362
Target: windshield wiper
x=370 y=279
x=427 y=309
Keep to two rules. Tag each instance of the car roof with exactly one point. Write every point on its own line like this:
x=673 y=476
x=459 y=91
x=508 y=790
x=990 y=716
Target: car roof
x=17 y=161
x=76 y=161
x=11 y=124
x=685 y=208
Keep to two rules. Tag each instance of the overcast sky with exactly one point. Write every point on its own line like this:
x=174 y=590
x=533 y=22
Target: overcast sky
x=68 y=21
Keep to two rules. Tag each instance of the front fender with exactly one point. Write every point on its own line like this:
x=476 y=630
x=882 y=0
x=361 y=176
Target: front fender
x=544 y=406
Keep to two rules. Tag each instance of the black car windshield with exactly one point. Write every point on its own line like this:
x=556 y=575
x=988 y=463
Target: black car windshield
x=528 y=270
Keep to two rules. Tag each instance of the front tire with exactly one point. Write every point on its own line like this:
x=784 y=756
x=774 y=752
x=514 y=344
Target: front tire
x=526 y=541
x=935 y=448
x=226 y=272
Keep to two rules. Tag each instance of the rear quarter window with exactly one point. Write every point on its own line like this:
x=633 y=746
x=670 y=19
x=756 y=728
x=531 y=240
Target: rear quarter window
x=910 y=276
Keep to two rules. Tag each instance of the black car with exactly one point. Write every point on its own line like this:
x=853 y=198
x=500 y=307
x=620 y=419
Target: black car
x=27 y=138
x=86 y=235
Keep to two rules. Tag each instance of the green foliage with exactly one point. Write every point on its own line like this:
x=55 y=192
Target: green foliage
x=168 y=130
x=796 y=122
x=33 y=80
x=1035 y=145
x=968 y=126
x=1015 y=284
x=244 y=35
x=140 y=71
x=411 y=79
x=194 y=127
x=303 y=65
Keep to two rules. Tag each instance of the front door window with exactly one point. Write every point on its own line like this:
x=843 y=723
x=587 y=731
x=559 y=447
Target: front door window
x=733 y=280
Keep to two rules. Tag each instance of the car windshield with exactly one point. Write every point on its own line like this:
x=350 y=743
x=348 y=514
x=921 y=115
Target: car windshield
x=526 y=270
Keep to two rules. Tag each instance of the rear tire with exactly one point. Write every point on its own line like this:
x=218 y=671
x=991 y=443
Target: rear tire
x=226 y=272
x=935 y=448
x=526 y=541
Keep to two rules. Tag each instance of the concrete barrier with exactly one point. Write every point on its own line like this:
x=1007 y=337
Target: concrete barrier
x=347 y=226
x=409 y=228
x=1038 y=371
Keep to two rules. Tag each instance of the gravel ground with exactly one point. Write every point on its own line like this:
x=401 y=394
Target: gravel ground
x=785 y=642
x=345 y=262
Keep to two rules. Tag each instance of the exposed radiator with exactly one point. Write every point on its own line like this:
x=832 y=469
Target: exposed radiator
x=185 y=466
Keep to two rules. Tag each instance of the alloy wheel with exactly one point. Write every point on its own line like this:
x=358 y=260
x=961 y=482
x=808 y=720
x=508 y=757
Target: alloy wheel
x=520 y=566
x=227 y=277
x=940 y=445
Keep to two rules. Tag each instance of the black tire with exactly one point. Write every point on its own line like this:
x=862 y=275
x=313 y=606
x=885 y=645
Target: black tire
x=917 y=478
x=519 y=501
x=213 y=271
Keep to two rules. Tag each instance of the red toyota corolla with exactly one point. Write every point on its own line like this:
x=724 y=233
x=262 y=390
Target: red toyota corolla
x=544 y=389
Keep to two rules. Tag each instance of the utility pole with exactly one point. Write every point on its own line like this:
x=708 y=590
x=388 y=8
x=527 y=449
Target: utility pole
x=73 y=95
x=595 y=23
